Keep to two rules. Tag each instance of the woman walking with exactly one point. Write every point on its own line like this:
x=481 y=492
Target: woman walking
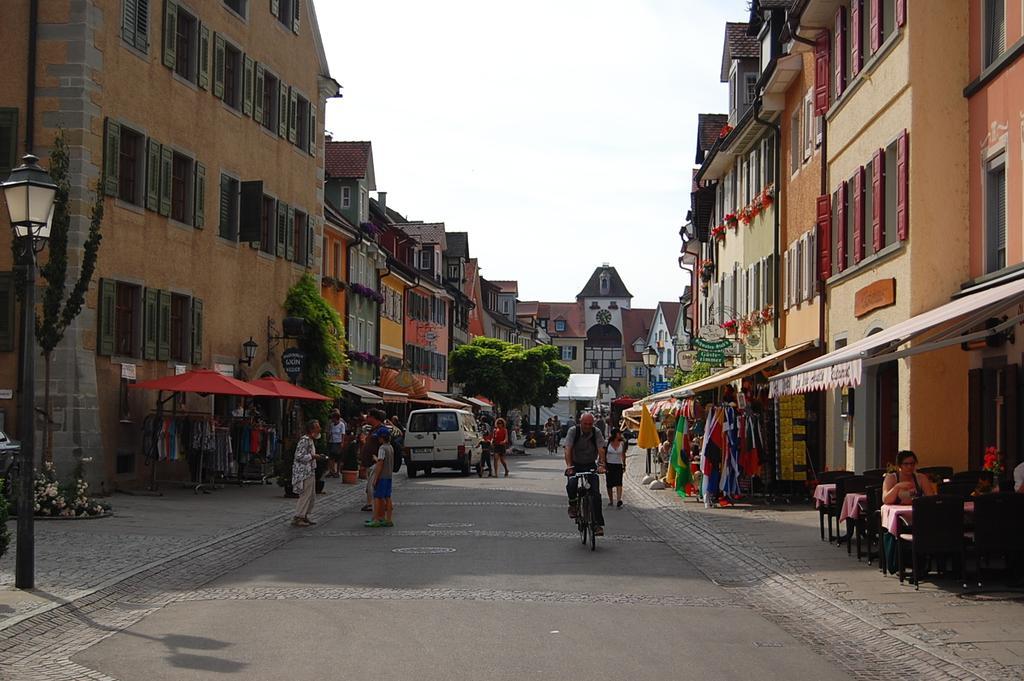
x=615 y=465
x=499 y=443
x=304 y=474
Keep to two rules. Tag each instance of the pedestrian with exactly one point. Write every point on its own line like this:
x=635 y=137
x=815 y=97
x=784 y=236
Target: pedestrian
x=615 y=458
x=485 y=448
x=499 y=445
x=383 y=467
x=397 y=438
x=304 y=474
x=585 y=452
x=368 y=452
x=336 y=431
x=601 y=425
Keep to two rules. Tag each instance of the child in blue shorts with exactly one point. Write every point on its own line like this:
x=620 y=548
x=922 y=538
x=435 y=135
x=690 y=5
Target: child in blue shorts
x=382 y=490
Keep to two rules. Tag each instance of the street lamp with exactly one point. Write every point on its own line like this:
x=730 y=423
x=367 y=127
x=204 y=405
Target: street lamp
x=249 y=350
x=30 y=194
x=650 y=357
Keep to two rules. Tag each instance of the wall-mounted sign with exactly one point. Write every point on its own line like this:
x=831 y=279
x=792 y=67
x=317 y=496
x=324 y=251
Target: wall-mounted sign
x=715 y=358
x=179 y=369
x=712 y=345
x=293 y=360
x=6 y=394
x=874 y=296
x=225 y=369
x=128 y=371
x=711 y=332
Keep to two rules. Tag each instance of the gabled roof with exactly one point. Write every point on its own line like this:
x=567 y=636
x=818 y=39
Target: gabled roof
x=671 y=312
x=426 y=232
x=570 y=313
x=738 y=45
x=636 y=323
x=349 y=161
x=709 y=127
x=616 y=289
x=458 y=244
x=527 y=307
x=506 y=285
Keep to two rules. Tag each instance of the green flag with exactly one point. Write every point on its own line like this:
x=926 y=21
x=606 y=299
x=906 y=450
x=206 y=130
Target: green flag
x=678 y=460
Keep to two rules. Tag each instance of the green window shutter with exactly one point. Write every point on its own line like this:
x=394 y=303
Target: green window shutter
x=282 y=228
x=129 y=20
x=152 y=174
x=218 y=66
x=296 y=4
x=257 y=105
x=166 y=168
x=247 y=86
x=152 y=321
x=251 y=211
x=107 y=296
x=197 y=331
x=7 y=328
x=204 y=56
x=275 y=7
x=282 y=110
x=200 y=196
x=170 y=33
x=311 y=129
x=293 y=108
x=289 y=236
x=142 y=25
x=112 y=160
x=163 y=344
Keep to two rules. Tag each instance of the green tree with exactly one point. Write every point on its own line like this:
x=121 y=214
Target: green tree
x=60 y=307
x=479 y=366
x=508 y=374
x=700 y=370
x=638 y=390
x=323 y=343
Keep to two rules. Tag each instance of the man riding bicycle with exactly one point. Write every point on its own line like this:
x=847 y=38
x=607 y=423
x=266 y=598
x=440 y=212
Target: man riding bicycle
x=585 y=452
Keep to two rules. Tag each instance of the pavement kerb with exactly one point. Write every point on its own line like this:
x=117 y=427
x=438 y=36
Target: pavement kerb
x=677 y=507
x=338 y=496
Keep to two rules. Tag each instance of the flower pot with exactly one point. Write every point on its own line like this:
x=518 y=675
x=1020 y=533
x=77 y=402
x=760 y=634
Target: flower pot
x=349 y=477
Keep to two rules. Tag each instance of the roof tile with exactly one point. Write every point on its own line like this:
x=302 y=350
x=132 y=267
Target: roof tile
x=347 y=160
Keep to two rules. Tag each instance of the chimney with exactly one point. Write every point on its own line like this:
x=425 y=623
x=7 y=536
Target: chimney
x=382 y=199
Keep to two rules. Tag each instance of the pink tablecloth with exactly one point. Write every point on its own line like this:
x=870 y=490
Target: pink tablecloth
x=824 y=494
x=891 y=514
x=851 y=506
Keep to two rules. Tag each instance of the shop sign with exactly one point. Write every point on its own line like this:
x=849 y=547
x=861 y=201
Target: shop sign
x=874 y=296
x=842 y=375
x=293 y=360
x=7 y=394
x=128 y=371
x=179 y=369
x=685 y=361
x=225 y=369
x=712 y=345
x=715 y=358
x=711 y=332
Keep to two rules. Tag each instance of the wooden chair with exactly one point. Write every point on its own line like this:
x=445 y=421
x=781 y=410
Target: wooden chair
x=998 y=528
x=874 y=473
x=824 y=511
x=938 y=531
x=854 y=484
x=869 y=524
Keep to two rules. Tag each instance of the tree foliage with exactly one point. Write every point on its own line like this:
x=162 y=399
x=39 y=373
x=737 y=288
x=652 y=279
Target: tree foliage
x=636 y=391
x=323 y=343
x=508 y=374
x=700 y=371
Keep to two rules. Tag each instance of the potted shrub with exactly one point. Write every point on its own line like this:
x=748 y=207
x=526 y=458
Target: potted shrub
x=350 y=462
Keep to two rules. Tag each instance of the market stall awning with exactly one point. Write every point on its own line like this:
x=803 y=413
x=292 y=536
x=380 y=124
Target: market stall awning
x=580 y=387
x=949 y=324
x=477 y=402
x=356 y=391
x=204 y=382
x=383 y=394
x=288 y=391
x=445 y=400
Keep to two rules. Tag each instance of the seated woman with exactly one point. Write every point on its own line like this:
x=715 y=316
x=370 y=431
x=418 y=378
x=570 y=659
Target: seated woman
x=986 y=484
x=906 y=483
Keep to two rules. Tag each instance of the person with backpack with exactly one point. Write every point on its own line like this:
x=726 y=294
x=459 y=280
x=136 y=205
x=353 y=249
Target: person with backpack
x=398 y=442
x=585 y=450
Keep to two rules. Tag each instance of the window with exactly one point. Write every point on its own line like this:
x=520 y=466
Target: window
x=337 y=260
x=268 y=225
x=453 y=272
x=232 y=76
x=427 y=260
x=543 y=323
x=182 y=183
x=794 y=142
x=179 y=328
x=269 y=97
x=287 y=13
x=750 y=88
x=638 y=372
x=733 y=95
x=8 y=140
x=229 y=188
x=130 y=167
x=559 y=325
x=126 y=318
x=237 y=6
x=302 y=245
x=186 y=40
x=301 y=123
x=504 y=306
x=346 y=197
x=995 y=215
x=889 y=176
x=135 y=23
x=808 y=128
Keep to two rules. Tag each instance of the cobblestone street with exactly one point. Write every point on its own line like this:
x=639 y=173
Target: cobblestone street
x=185 y=599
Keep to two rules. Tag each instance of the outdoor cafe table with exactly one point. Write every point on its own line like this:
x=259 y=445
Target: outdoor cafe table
x=891 y=514
x=824 y=494
x=851 y=506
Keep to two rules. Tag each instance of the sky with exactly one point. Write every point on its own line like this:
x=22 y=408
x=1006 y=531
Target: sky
x=560 y=134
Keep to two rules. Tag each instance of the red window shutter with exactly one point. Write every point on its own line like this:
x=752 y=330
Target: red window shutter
x=878 y=199
x=855 y=36
x=902 y=185
x=876 y=25
x=839 y=51
x=821 y=74
x=858 y=215
x=824 y=237
x=901 y=12
x=841 y=236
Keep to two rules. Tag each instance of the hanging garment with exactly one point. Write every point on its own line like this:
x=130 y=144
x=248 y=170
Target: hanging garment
x=711 y=452
x=679 y=465
x=751 y=444
x=730 y=480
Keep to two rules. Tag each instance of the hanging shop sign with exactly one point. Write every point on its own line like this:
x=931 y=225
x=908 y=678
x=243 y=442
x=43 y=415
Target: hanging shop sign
x=711 y=332
x=719 y=345
x=715 y=358
x=293 y=360
x=128 y=371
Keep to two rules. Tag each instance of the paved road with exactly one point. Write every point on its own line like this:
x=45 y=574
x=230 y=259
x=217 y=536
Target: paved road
x=479 y=579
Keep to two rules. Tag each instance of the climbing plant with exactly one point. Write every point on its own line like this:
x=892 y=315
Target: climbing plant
x=323 y=342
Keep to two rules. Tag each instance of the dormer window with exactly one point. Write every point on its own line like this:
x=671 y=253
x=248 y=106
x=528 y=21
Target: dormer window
x=605 y=285
x=427 y=260
x=559 y=325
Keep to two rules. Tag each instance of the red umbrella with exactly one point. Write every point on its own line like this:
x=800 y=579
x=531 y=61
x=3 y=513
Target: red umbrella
x=205 y=381
x=284 y=389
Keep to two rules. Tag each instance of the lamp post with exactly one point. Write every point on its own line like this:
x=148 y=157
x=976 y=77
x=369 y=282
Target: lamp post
x=30 y=194
x=249 y=351
x=650 y=357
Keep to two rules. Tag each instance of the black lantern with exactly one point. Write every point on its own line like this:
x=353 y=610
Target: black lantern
x=249 y=350
x=650 y=357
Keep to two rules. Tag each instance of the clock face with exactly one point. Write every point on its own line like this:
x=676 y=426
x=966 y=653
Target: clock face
x=604 y=317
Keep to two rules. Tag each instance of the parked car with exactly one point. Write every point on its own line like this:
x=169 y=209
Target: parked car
x=8 y=447
x=441 y=438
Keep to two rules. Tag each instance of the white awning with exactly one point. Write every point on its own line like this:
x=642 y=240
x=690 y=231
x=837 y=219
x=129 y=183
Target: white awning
x=951 y=324
x=363 y=395
x=438 y=397
x=391 y=396
x=580 y=387
x=477 y=402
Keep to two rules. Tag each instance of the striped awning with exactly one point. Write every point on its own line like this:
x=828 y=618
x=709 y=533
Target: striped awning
x=357 y=391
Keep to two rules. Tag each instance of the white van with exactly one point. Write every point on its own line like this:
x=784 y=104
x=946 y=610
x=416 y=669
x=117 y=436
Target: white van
x=441 y=438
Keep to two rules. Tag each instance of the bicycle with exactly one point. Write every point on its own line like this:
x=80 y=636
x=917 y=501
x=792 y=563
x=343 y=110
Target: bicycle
x=585 y=508
x=552 y=442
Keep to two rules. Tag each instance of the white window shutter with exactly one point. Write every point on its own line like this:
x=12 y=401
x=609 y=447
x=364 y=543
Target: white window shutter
x=789 y=279
x=812 y=271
